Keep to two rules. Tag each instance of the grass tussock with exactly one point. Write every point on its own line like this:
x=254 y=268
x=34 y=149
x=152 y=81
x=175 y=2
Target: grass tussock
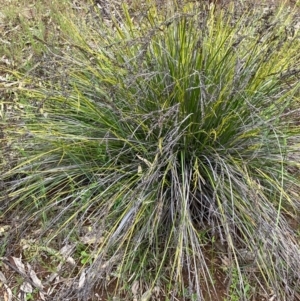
x=167 y=133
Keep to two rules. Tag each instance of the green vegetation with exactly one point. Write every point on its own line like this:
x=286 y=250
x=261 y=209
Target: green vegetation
x=155 y=141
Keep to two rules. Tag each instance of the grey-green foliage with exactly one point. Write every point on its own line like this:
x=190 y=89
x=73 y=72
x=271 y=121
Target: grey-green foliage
x=178 y=123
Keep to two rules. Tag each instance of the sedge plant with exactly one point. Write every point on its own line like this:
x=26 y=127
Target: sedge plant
x=164 y=125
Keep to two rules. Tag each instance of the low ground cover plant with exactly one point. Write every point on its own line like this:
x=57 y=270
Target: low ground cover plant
x=170 y=134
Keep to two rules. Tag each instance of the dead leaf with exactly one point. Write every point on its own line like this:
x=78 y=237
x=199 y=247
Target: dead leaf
x=135 y=287
x=51 y=289
x=18 y=263
x=26 y=287
x=273 y=298
x=71 y=261
x=2 y=278
x=36 y=281
x=8 y=293
x=81 y=280
x=226 y=262
x=156 y=291
x=54 y=275
x=66 y=250
x=42 y=296
x=146 y=296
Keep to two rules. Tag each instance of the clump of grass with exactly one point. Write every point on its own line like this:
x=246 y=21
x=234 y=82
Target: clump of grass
x=168 y=125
